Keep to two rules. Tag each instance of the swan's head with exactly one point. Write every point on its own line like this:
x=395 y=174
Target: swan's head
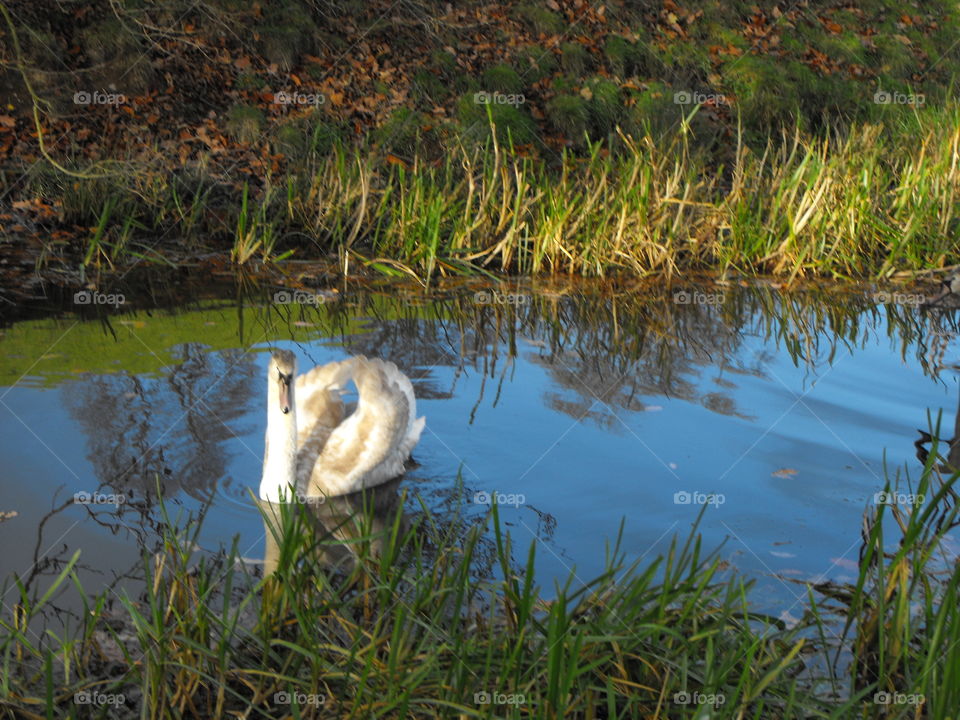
x=283 y=367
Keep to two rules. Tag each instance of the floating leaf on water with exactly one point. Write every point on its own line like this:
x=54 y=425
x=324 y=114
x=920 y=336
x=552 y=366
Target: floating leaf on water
x=789 y=619
x=7 y=515
x=783 y=472
x=844 y=563
x=781 y=554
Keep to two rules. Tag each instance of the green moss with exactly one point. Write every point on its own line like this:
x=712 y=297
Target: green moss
x=244 y=123
x=574 y=58
x=569 y=115
x=540 y=20
x=503 y=78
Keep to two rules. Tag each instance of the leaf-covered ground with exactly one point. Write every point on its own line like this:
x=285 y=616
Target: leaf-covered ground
x=245 y=92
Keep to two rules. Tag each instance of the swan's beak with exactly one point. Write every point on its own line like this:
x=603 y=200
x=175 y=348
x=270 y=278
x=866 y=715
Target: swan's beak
x=285 y=393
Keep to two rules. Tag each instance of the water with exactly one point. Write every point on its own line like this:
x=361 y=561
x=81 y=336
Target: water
x=783 y=413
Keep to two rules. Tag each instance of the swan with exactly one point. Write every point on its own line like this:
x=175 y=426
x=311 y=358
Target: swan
x=311 y=451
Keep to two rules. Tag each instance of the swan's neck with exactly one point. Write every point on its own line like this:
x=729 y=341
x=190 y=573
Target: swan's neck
x=280 y=459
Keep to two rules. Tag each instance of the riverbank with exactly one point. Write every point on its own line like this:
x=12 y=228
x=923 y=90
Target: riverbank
x=597 y=143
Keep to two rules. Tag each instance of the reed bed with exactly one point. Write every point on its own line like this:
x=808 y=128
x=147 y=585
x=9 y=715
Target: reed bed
x=862 y=202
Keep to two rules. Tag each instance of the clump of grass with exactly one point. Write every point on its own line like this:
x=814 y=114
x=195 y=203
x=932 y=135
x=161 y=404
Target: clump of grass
x=416 y=625
x=289 y=139
x=478 y=113
x=536 y=63
x=390 y=613
x=245 y=123
x=250 y=81
x=429 y=89
x=569 y=115
x=574 y=58
x=605 y=105
x=619 y=54
x=115 y=53
x=541 y=20
x=906 y=624
x=287 y=34
x=401 y=132
x=503 y=78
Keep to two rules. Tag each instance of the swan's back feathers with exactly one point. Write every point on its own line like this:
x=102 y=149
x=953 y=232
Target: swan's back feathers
x=414 y=425
x=371 y=445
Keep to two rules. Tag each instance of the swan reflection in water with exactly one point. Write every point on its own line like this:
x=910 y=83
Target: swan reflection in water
x=335 y=464
x=336 y=527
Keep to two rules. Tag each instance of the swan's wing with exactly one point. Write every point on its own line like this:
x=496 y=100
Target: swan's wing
x=363 y=450
x=401 y=383
x=319 y=404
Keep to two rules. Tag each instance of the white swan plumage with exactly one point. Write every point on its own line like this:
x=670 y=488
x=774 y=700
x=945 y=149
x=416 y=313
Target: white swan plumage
x=312 y=451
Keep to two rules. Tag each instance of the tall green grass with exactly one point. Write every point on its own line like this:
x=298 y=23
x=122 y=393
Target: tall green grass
x=430 y=619
x=863 y=202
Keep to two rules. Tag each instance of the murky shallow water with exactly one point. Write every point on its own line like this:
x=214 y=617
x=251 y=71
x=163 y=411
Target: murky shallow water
x=782 y=412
